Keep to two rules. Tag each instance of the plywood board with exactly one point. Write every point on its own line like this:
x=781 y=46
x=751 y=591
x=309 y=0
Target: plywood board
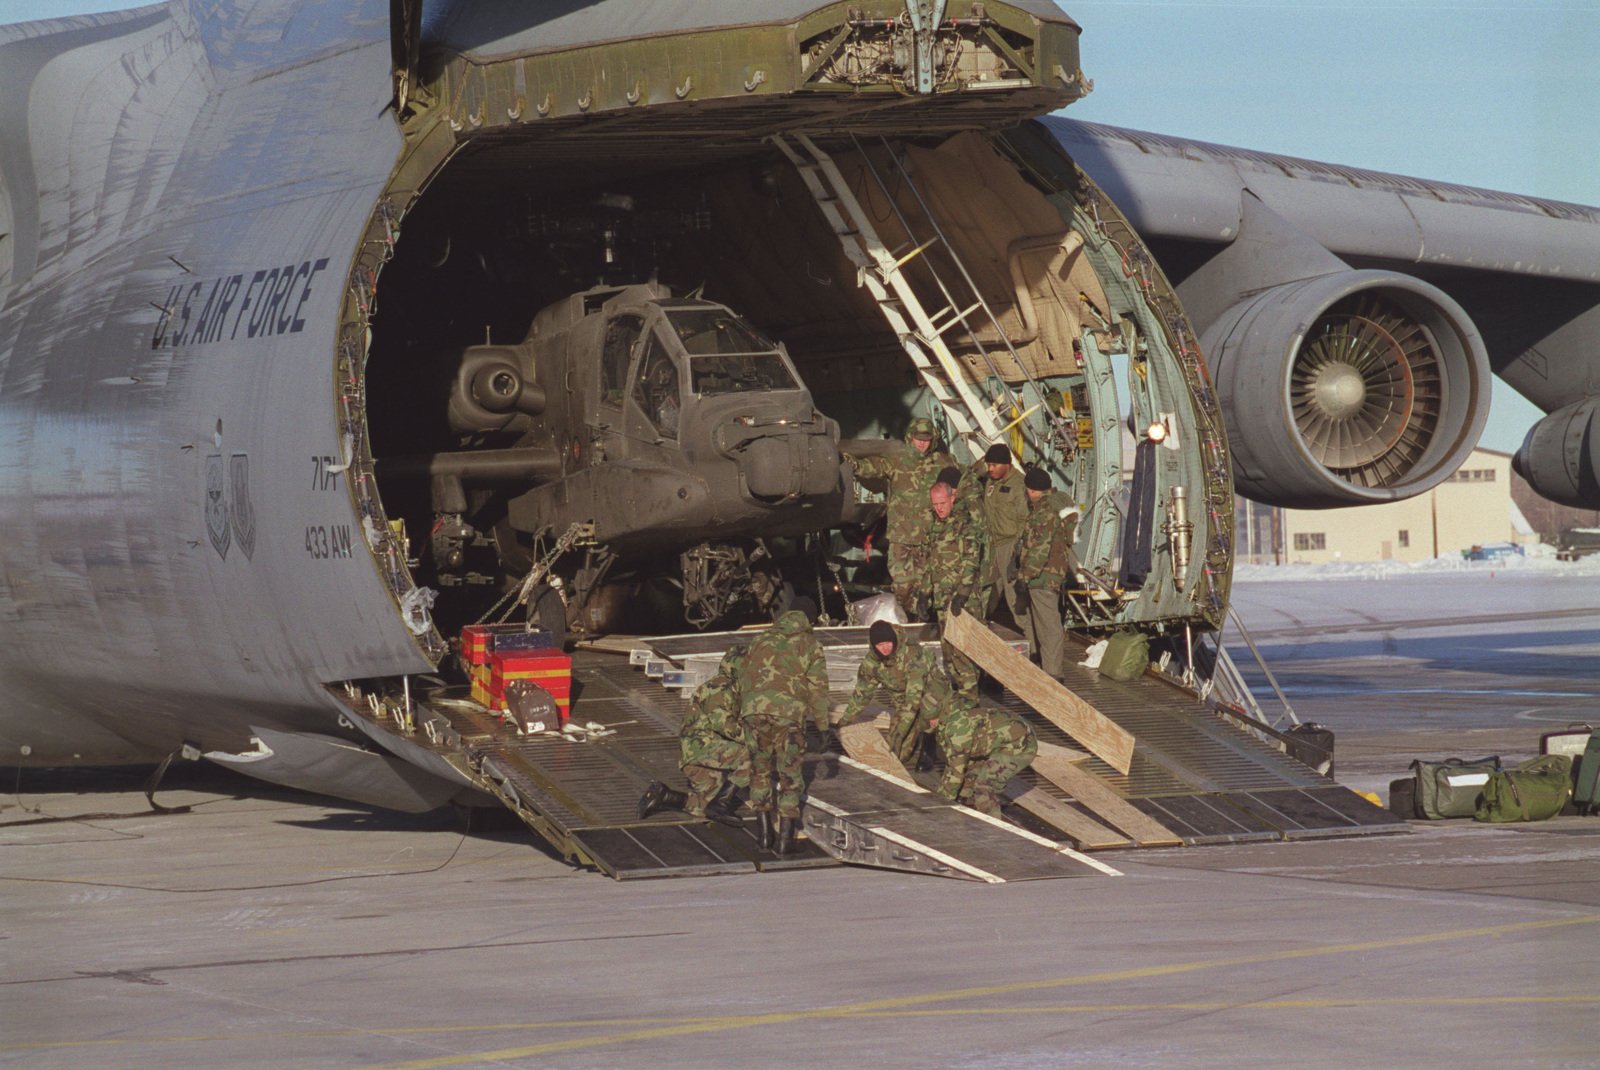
x=1099 y=798
x=1085 y=832
x=1055 y=752
x=1104 y=738
x=864 y=743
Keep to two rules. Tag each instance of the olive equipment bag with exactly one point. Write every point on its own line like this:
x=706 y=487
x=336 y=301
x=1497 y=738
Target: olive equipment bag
x=1127 y=656
x=1451 y=788
x=1533 y=791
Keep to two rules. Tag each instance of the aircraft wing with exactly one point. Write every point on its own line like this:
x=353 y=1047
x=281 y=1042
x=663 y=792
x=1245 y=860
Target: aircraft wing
x=1233 y=227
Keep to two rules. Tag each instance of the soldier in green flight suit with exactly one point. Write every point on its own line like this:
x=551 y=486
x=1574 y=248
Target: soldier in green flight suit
x=783 y=687
x=910 y=473
x=711 y=749
x=983 y=749
x=917 y=687
x=1000 y=499
x=1043 y=556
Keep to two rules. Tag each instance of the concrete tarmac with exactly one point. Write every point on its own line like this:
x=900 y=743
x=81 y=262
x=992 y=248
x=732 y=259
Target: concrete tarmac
x=267 y=929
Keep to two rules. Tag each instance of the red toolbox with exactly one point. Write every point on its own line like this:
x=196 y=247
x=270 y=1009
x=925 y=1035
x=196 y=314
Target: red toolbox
x=550 y=669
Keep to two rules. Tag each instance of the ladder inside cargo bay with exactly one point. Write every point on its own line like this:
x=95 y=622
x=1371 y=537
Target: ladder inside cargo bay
x=975 y=418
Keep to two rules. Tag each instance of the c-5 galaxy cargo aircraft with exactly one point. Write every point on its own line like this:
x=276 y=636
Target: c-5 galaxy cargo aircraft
x=327 y=328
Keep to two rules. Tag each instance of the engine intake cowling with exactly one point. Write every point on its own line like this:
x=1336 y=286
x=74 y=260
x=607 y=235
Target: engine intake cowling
x=1560 y=457
x=1348 y=389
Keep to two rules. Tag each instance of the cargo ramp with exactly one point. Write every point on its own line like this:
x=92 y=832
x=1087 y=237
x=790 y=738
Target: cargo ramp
x=1194 y=773
x=580 y=794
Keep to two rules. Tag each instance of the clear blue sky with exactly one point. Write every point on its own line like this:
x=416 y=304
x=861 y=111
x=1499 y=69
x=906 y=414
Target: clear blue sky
x=1504 y=96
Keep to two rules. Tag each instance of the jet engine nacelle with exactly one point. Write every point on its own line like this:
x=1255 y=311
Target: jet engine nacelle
x=1560 y=457
x=1347 y=389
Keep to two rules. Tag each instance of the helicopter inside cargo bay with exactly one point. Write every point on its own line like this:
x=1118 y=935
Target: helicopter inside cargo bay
x=635 y=391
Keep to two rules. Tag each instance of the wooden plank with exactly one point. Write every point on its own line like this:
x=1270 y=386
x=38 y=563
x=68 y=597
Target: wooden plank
x=1085 y=832
x=1106 y=739
x=1102 y=800
x=864 y=743
x=1056 y=752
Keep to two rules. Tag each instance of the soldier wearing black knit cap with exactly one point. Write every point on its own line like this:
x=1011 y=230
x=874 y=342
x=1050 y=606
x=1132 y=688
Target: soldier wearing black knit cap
x=918 y=688
x=1040 y=567
x=999 y=500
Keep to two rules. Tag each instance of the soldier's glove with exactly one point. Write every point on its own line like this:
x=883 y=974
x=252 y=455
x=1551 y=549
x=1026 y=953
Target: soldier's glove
x=957 y=604
x=920 y=607
x=1021 y=590
x=822 y=742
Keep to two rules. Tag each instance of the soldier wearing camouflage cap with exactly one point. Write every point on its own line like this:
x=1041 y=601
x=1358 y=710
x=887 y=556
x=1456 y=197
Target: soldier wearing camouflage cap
x=712 y=751
x=983 y=749
x=910 y=473
x=783 y=688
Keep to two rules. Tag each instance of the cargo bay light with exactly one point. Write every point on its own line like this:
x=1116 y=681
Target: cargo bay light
x=535 y=165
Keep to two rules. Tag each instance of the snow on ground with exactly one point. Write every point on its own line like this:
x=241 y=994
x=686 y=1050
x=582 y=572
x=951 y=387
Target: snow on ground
x=1340 y=570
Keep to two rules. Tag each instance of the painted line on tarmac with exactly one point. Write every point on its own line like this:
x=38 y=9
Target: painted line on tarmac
x=721 y=1023
x=1221 y=1005
x=905 y=1003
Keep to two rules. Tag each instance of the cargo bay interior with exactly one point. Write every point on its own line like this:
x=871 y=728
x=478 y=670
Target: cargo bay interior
x=506 y=229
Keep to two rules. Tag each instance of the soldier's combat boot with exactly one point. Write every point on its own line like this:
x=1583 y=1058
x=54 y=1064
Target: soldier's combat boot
x=660 y=797
x=764 y=829
x=721 y=809
x=785 y=837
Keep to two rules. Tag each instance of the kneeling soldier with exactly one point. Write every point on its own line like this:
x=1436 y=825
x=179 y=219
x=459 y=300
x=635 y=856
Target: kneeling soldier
x=917 y=687
x=983 y=749
x=712 y=751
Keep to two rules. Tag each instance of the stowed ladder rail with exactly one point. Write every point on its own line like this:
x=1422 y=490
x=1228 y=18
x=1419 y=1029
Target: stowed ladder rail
x=974 y=417
x=879 y=271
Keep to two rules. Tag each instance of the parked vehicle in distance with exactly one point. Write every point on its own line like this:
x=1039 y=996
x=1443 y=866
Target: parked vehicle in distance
x=1493 y=551
x=1574 y=543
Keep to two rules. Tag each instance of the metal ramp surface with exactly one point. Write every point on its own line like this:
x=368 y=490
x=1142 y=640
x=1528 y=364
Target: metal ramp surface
x=860 y=815
x=857 y=815
x=581 y=797
x=1204 y=777
x=1201 y=775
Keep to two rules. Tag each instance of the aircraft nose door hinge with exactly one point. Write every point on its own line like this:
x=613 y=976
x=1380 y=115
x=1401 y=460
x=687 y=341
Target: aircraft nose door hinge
x=405 y=46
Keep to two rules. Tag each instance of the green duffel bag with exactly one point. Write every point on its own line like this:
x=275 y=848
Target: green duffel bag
x=1451 y=788
x=1127 y=656
x=1533 y=791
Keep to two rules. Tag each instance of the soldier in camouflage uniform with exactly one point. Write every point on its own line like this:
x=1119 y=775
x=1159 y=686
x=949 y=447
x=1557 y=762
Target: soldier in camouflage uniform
x=783 y=688
x=983 y=749
x=917 y=686
x=910 y=473
x=1044 y=550
x=953 y=561
x=712 y=751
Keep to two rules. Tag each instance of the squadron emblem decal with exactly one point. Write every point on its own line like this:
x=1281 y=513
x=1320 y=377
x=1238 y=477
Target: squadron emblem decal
x=243 y=514
x=217 y=524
